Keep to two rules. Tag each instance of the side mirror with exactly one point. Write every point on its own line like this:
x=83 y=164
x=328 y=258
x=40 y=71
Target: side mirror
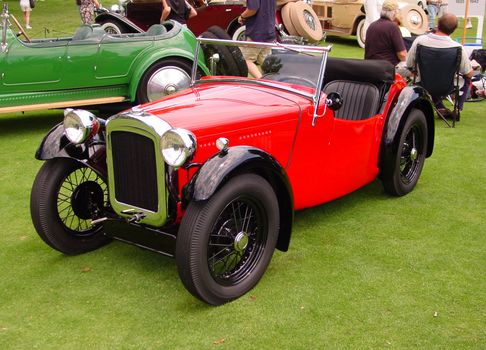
x=334 y=101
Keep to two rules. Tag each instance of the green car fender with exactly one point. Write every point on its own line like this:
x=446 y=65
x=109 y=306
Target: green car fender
x=155 y=56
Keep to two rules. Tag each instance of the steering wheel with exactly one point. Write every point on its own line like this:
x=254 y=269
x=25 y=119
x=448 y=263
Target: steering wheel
x=291 y=79
x=21 y=29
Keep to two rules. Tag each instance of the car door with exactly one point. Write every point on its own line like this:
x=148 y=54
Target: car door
x=116 y=56
x=332 y=156
x=80 y=64
x=33 y=66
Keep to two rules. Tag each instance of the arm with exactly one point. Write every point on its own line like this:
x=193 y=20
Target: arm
x=245 y=15
x=402 y=55
x=165 y=11
x=192 y=11
x=97 y=4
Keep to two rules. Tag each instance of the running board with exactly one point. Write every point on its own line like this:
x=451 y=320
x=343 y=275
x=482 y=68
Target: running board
x=63 y=104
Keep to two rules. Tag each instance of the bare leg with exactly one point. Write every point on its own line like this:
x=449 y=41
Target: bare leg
x=27 y=19
x=253 y=69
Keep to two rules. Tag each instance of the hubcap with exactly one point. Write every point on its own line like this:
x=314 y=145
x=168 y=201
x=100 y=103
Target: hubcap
x=166 y=81
x=309 y=19
x=413 y=154
x=241 y=241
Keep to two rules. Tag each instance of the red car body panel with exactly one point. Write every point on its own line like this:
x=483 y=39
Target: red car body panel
x=323 y=162
x=214 y=15
x=146 y=14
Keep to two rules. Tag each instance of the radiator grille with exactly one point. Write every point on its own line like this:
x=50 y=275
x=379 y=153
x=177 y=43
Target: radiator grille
x=135 y=172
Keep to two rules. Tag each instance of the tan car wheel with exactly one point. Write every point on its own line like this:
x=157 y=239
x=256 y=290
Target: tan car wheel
x=360 y=33
x=286 y=10
x=414 y=19
x=305 y=21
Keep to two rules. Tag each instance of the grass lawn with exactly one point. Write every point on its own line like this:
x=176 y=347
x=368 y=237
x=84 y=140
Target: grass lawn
x=367 y=271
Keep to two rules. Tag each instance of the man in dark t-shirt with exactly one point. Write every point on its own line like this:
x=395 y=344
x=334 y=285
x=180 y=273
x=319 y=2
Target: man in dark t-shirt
x=383 y=38
x=177 y=10
x=259 y=19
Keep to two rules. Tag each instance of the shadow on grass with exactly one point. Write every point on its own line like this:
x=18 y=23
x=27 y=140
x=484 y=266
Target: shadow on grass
x=29 y=122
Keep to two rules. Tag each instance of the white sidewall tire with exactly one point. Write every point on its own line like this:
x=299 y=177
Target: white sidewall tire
x=286 y=10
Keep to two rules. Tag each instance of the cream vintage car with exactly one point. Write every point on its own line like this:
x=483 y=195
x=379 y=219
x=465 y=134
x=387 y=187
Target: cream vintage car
x=347 y=17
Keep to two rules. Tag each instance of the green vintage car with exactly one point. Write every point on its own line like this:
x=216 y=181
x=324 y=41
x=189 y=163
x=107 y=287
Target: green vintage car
x=92 y=67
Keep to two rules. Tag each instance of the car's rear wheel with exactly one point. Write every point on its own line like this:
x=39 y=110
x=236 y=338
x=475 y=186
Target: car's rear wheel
x=234 y=50
x=164 y=78
x=112 y=27
x=65 y=197
x=225 y=244
x=403 y=170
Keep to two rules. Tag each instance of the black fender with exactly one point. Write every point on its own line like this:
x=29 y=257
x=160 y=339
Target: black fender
x=410 y=97
x=217 y=170
x=56 y=145
x=116 y=17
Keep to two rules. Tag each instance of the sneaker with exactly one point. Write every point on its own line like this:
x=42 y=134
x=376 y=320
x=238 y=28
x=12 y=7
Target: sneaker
x=28 y=26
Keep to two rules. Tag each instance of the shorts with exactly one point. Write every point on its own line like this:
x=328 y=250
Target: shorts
x=25 y=5
x=255 y=54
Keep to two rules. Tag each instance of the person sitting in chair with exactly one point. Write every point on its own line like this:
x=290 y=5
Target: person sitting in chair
x=441 y=39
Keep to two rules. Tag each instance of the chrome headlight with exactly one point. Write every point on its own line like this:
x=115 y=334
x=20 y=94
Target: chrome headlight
x=178 y=146
x=80 y=125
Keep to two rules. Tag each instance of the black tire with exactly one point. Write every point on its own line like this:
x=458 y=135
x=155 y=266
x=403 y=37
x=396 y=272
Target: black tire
x=403 y=170
x=247 y=254
x=234 y=50
x=154 y=84
x=65 y=197
x=226 y=64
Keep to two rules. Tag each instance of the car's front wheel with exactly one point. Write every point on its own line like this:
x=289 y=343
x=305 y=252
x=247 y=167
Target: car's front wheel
x=402 y=172
x=164 y=78
x=65 y=197
x=225 y=244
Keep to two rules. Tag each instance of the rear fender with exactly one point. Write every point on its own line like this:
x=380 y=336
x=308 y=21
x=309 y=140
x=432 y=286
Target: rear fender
x=411 y=97
x=215 y=172
x=116 y=17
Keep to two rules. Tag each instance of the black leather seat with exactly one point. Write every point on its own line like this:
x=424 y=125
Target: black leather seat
x=360 y=100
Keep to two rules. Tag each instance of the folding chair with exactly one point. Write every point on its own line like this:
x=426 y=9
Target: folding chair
x=439 y=75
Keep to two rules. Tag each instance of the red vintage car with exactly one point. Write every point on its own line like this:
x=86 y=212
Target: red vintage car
x=212 y=175
x=138 y=15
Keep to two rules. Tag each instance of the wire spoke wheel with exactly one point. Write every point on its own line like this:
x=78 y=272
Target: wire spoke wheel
x=236 y=241
x=402 y=170
x=66 y=196
x=225 y=244
x=409 y=160
x=80 y=196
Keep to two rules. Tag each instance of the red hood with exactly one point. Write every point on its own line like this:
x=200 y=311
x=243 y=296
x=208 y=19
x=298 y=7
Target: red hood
x=210 y=108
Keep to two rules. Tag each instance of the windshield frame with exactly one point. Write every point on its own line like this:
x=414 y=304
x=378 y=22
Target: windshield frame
x=307 y=49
